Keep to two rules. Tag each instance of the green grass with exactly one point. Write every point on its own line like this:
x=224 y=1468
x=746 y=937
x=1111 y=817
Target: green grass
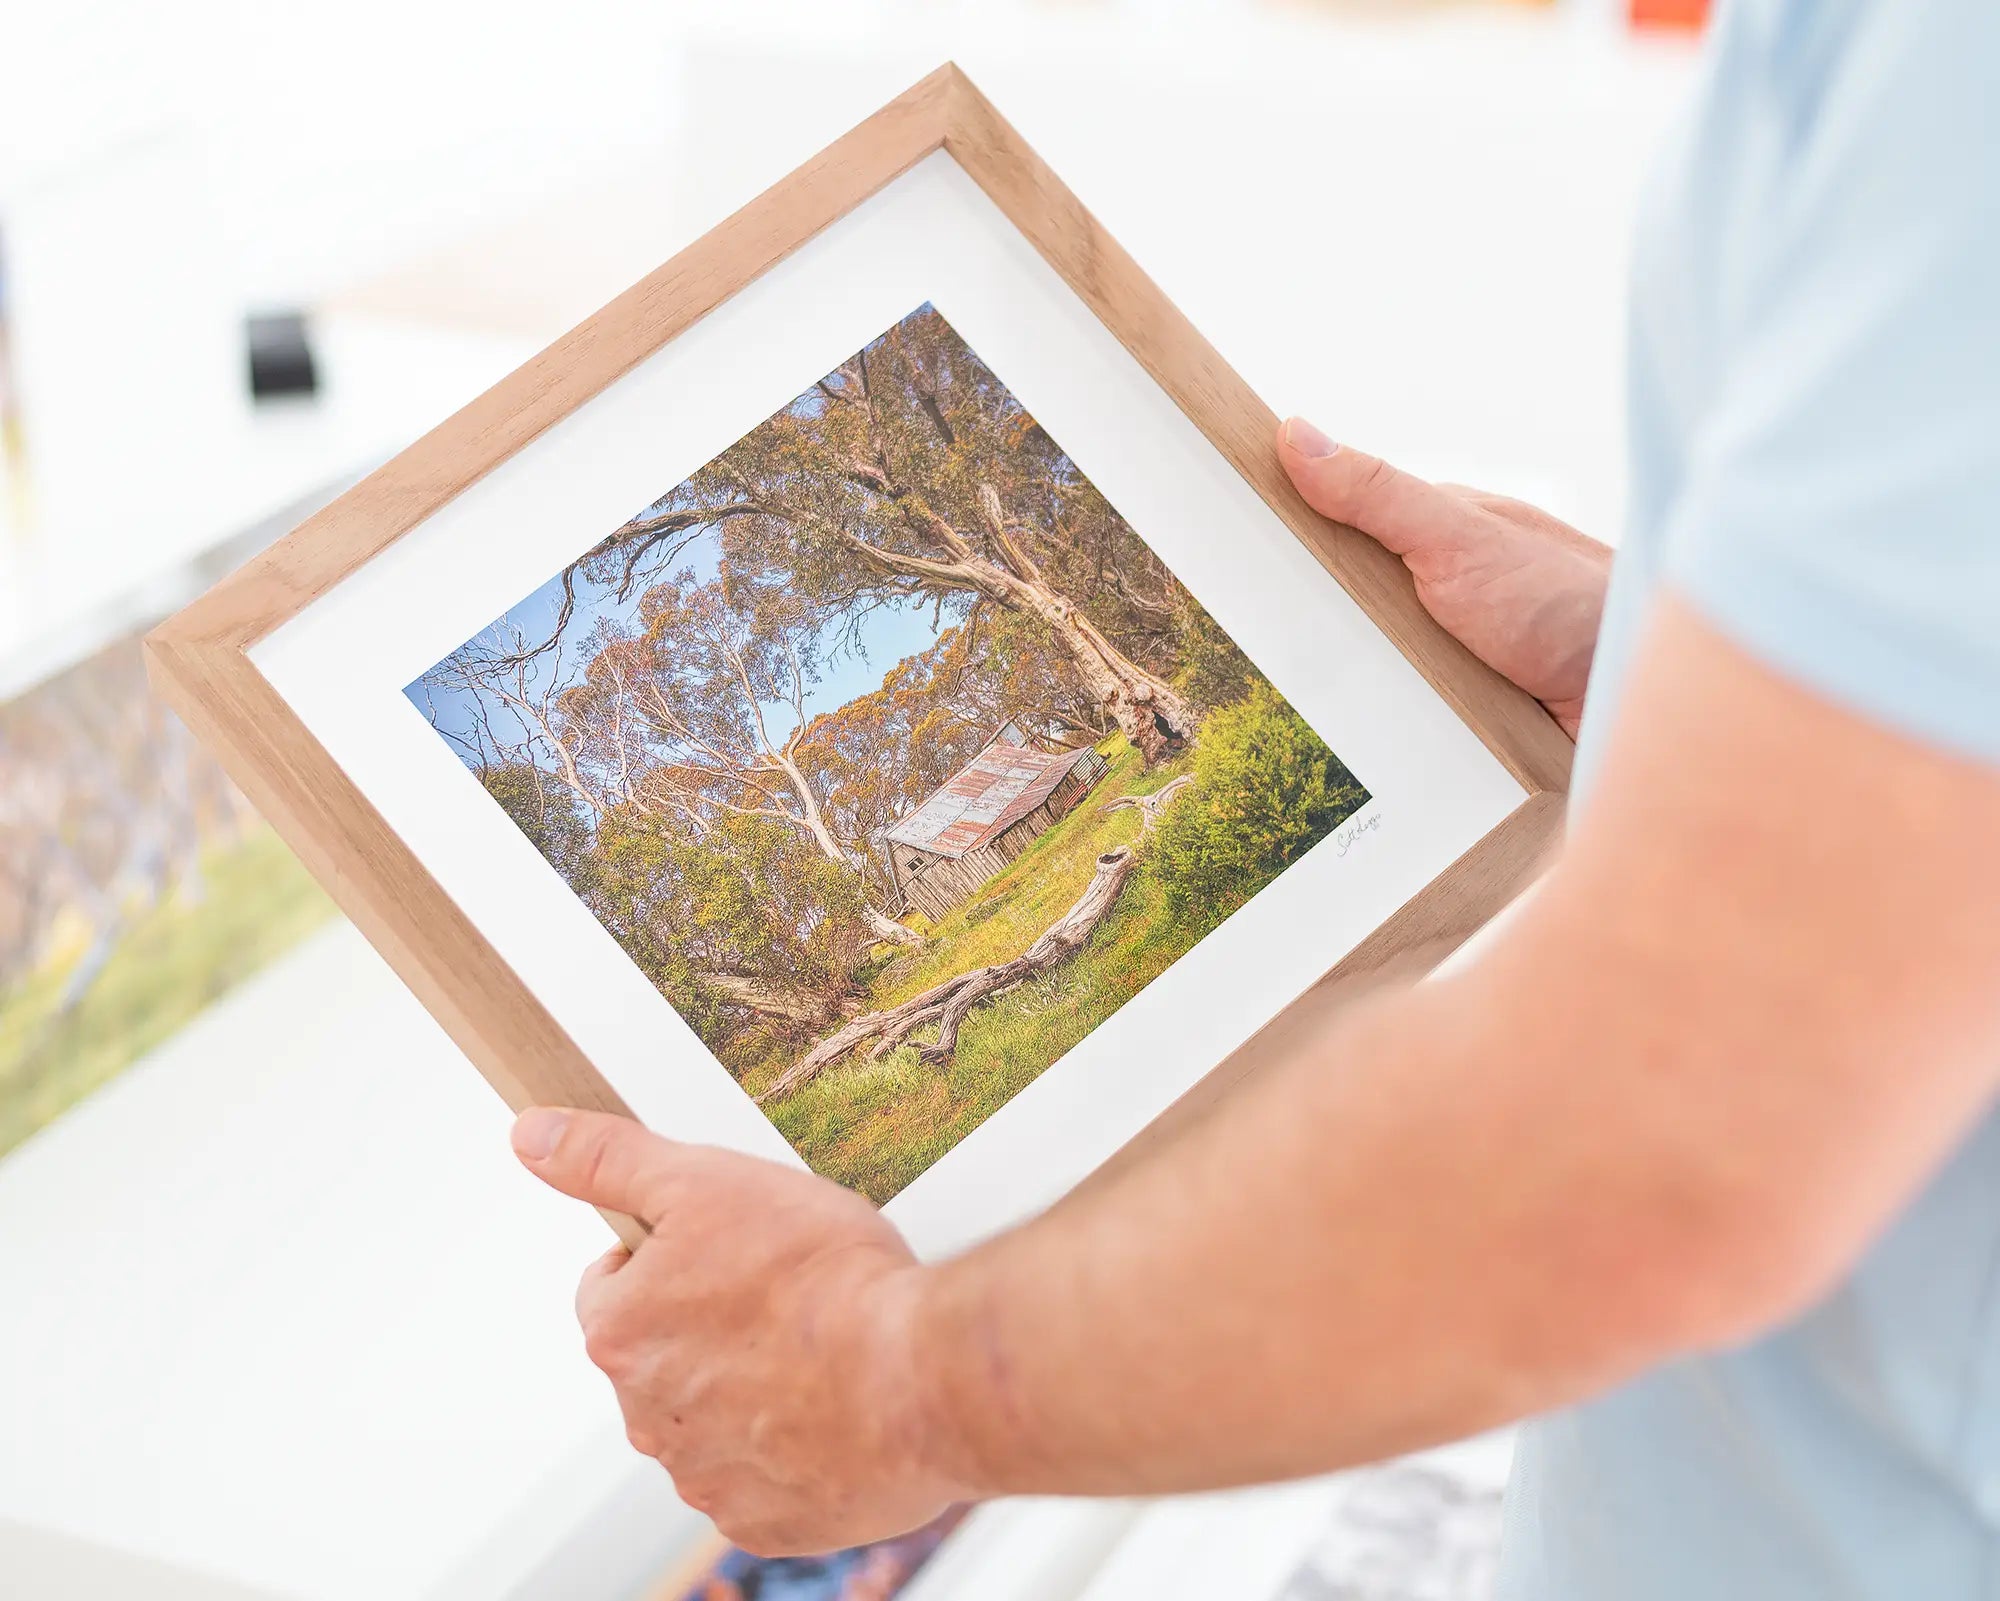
x=170 y=963
x=877 y=1125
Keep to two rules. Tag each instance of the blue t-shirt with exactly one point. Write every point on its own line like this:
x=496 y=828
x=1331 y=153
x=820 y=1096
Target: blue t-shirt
x=1816 y=442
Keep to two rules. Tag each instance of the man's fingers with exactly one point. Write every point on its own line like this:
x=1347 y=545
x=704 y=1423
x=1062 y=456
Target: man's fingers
x=612 y=1261
x=598 y=1279
x=609 y=1161
x=1407 y=514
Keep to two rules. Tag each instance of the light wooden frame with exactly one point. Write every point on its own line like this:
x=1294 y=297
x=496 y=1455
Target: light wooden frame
x=200 y=658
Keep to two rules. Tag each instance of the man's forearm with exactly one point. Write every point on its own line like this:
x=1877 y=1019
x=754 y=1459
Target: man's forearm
x=1341 y=1263
x=1665 y=1110
x=1668 y=1108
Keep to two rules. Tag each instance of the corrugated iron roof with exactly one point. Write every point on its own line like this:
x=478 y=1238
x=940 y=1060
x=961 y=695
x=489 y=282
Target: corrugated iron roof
x=991 y=793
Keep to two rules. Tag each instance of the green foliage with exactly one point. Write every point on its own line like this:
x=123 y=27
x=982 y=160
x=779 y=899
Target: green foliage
x=877 y=1125
x=749 y=896
x=1266 y=790
x=1004 y=917
x=745 y=896
x=1258 y=769
x=547 y=813
x=1213 y=673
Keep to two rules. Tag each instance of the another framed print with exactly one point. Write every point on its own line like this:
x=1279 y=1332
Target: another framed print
x=871 y=698
x=1420 y=1528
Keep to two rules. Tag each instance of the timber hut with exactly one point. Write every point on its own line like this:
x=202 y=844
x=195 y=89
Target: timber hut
x=984 y=816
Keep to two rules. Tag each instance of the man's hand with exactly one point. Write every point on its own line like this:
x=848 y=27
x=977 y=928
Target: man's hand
x=758 y=1341
x=1449 y=1208
x=1520 y=590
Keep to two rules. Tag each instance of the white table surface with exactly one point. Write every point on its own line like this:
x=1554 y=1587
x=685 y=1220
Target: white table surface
x=280 y=1306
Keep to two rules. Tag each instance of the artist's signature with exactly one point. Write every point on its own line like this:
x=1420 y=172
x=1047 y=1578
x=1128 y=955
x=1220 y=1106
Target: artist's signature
x=1348 y=835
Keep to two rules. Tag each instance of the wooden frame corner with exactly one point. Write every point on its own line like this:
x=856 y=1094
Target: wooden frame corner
x=200 y=659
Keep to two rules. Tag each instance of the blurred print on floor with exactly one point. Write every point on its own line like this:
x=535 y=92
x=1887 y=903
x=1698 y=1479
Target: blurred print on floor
x=1407 y=1531
x=136 y=884
x=866 y=1573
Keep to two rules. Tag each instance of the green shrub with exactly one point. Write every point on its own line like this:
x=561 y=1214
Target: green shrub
x=1266 y=790
x=1214 y=673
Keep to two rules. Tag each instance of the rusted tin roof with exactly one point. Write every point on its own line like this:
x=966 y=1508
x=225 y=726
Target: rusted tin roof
x=991 y=793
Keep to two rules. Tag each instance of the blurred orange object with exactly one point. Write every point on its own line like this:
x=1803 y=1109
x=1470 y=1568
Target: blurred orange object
x=1690 y=14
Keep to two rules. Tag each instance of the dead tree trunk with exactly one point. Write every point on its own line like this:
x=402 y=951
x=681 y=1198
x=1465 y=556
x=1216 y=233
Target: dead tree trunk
x=883 y=926
x=1150 y=806
x=948 y=1004
x=773 y=997
x=1151 y=713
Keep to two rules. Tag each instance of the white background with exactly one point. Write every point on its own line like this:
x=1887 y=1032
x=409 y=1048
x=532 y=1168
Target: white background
x=931 y=235
x=1411 y=226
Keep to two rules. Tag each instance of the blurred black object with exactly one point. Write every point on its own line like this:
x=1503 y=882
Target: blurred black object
x=281 y=358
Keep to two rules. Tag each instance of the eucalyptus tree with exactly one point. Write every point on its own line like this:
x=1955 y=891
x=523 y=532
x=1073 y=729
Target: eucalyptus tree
x=912 y=475
x=699 y=711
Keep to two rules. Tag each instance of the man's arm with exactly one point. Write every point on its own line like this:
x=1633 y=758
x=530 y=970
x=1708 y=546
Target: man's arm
x=1747 y=1014
x=1745 y=1017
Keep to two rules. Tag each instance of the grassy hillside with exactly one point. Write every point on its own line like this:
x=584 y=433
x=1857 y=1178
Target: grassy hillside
x=171 y=962
x=877 y=1125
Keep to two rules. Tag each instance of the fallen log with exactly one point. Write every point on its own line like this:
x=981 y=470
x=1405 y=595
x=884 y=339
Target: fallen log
x=1061 y=940
x=1150 y=806
x=948 y=1004
x=774 y=997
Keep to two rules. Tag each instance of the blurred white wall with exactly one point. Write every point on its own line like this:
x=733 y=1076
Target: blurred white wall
x=1413 y=227
x=339 y=139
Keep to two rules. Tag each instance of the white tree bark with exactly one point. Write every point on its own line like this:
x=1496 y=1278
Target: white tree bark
x=1150 y=806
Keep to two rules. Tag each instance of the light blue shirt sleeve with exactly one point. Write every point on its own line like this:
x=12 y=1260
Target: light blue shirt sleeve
x=1839 y=511
x=1816 y=468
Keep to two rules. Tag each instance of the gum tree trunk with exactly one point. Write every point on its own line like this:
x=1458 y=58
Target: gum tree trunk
x=1149 y=712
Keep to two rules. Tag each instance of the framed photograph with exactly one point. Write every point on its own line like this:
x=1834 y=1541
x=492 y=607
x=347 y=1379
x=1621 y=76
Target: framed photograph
x=870 y=697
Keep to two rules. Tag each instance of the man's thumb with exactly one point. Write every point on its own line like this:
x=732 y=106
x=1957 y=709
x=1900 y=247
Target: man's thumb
x=1405 y=513
x=610 y=1161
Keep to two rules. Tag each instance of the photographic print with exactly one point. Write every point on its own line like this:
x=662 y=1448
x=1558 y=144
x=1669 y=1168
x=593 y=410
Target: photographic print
x=890 y=752
x=875 y=1572
x=136 y=885
x=1405 y=1531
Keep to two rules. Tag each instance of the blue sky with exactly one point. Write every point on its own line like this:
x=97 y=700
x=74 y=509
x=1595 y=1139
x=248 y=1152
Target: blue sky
x=888 y=634
x=883 y=636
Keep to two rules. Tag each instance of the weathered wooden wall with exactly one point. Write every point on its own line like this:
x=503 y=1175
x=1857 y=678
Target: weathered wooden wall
x=948 y=881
